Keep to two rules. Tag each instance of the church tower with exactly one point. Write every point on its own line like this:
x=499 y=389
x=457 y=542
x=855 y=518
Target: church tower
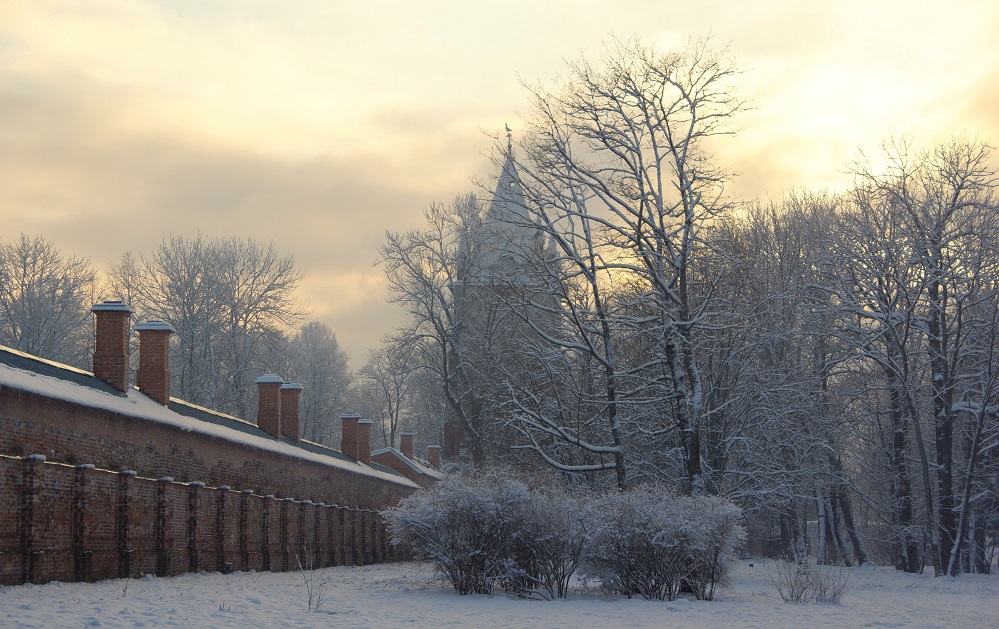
x=497 y=256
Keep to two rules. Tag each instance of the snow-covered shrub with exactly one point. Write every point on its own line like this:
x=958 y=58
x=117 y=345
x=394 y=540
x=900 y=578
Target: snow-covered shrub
x=829 y=584
x=650 y=543
x=465 y=525
x=805 y=582
x=715 y=537
x=549 y=537
x=792 y=579
x=487 y=531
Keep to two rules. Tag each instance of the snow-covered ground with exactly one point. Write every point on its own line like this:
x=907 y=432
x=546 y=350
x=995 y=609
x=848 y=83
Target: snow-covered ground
x=408 y=595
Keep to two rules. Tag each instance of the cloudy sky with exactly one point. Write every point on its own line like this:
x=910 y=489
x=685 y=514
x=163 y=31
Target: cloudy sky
x=319 y=124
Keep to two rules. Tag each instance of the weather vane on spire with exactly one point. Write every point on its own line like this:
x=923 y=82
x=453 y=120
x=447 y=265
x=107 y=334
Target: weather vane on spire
x=509 y=138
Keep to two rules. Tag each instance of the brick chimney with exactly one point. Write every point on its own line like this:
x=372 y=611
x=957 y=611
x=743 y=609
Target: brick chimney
x=291 y=394
x=364 y=440
x=348 y=434
x=153 y=376
x=434 y=456
x=111 y=345
x=406 y=444
x=269 y=404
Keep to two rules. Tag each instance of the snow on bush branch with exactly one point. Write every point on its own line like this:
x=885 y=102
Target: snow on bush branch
x=488 y=531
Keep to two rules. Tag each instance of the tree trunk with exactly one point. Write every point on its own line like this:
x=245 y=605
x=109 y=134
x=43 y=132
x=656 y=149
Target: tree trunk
x=820 y=535
x=907 y=548
x=859 y=551
x=946 y=534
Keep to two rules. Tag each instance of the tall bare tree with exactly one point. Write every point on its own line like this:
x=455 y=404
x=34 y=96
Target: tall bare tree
x=422 y=270
x=45 y=298
x=230 y=300
x=386 y=389
x=629 y=136
x=946 y=200
x=317 y=362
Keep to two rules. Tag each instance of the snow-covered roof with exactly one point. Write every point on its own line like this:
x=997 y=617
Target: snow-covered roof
x=415 y=465
x=31 y=374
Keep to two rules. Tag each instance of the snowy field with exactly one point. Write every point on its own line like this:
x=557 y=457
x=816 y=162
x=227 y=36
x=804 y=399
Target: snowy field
x=408 y=595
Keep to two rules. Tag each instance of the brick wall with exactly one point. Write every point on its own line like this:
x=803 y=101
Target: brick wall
x=72 y=433
x=67 y=522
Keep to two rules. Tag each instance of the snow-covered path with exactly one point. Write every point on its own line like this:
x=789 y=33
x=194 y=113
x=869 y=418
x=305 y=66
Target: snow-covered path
x=407 y=595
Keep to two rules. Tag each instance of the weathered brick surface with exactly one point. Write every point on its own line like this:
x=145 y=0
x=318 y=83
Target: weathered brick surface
x=83 y=523
x=71 y=433
x=78 y=516
x=153 y=375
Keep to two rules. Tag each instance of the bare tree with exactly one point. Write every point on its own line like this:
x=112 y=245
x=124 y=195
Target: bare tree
x=44 y=300
x=317 y=362
x=628 y=137
x=422 y=271
x=386 y=385
x=946 y=200
x=230 y=301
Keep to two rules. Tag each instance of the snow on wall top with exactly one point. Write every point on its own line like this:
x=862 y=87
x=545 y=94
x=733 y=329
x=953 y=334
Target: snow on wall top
x=414 y=465
x=137 y=405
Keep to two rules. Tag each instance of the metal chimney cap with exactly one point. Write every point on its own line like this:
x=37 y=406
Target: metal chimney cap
x=118 y=306
x=154 y=325
x=269 y=378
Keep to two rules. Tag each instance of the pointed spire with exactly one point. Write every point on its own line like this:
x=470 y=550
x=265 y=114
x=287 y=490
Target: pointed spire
x=509 y=141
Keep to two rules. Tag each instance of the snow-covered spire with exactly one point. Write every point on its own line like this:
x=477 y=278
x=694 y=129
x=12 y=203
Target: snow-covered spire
x=506 y=237
x=505 y=244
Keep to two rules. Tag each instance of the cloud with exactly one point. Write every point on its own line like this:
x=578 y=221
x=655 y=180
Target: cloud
x=98 y=188
x=123 y=121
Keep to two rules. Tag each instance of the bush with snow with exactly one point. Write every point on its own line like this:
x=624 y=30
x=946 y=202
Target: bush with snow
x=805 y=582
x=549 y=537
x=465 y=525
x=650 y=543
x=487 y=532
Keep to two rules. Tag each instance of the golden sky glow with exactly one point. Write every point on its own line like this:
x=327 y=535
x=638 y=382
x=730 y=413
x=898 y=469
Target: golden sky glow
x=319 y=124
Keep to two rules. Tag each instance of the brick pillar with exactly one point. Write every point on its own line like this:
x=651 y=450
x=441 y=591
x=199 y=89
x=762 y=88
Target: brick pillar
x=285 y=550
x=111 y=343
x=193 y=491
x=348 y=434
x=372 y=536
x=82 y=555
x=376 y=538
x=341 y=527
x=364 y=440
x=160 y=527
x=220 y=516
x=359 y=537
x=291 y=394
x=123 y=525
x=350 y=539
x=406 y=444
x=153 y=376
x=302 y=549
x=434 y=456
x=317 y=551
x=244 y=542
x=332 y=518
x=265 y=531
x=31 y=471
x=269 y=404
